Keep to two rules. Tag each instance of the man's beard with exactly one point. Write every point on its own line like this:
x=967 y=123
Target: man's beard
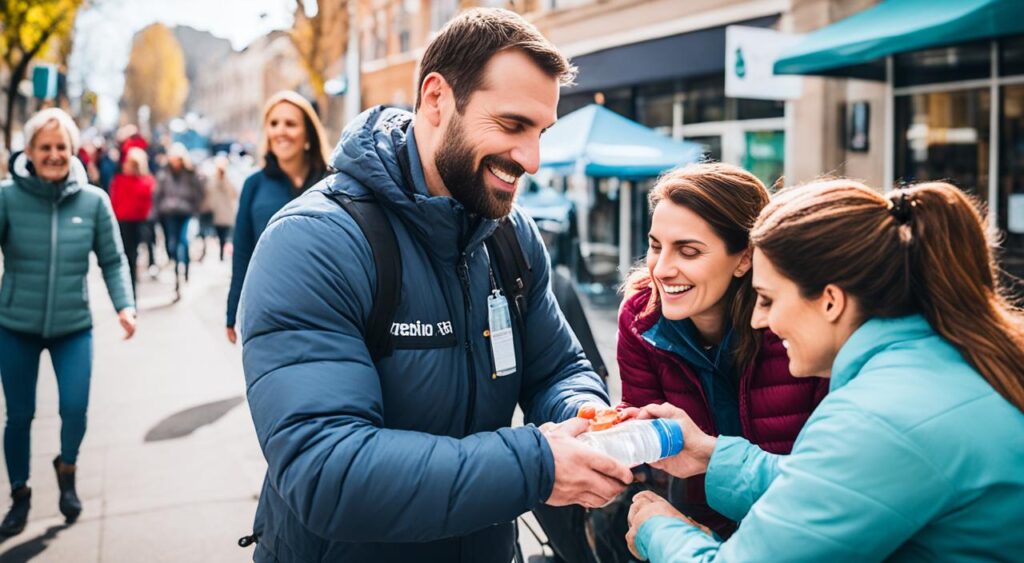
x=454 y=162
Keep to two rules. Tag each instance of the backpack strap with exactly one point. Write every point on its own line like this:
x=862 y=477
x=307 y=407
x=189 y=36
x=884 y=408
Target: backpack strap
x=514 y=271
x=376 y=227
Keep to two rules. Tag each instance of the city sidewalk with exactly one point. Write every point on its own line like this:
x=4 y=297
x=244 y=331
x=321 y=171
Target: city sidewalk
x=147 y=494
x=170 y=470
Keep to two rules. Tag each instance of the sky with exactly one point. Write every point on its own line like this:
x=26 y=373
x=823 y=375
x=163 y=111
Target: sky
x=103 y=36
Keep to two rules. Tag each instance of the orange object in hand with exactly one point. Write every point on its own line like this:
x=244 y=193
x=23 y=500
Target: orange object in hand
x=604 y=420
x=587 y=411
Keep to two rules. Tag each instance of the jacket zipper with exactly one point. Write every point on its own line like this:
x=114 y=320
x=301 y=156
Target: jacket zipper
x=463 y=271
x=50 y=282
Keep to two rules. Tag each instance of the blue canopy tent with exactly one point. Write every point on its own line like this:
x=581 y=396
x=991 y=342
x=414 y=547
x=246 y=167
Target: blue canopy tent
x=595 y=142
x=609 y=145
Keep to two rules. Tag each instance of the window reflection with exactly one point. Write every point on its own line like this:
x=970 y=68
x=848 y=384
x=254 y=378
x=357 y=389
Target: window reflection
x=944 y=136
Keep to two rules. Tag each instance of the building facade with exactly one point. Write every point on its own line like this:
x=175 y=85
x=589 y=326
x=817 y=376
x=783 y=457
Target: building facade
x=233 y=96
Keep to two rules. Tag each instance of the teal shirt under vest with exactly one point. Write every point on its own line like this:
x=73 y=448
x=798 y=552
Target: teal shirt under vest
x=912 y=456
x=715 y=366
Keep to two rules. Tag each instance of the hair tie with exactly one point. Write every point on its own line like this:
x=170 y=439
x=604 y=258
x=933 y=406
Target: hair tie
x=900 y=207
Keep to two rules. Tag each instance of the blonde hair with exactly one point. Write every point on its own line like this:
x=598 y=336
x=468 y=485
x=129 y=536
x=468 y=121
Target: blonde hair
x=44 y=118
x=317 y=151
x=140 y=158
x=179 y=150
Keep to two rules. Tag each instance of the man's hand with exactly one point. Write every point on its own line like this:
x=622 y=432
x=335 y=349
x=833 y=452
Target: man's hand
x=232 y=337
x=582 y=475
x=647 y=505
x=127 y=319
x=697 y=446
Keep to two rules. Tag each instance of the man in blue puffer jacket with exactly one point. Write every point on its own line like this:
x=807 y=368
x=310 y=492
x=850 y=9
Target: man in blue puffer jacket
x=411 y=458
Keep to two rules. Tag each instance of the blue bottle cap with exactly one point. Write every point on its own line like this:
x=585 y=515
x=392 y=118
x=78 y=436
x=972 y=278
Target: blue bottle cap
x=670 y=433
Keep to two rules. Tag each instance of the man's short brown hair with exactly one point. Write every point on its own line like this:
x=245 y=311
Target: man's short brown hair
x=462 y=49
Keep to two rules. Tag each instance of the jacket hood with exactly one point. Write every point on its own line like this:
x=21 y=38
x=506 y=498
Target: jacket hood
x=377 y=149
x=24 y=176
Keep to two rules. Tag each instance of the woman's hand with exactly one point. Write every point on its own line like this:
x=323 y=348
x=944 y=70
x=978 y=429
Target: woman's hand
x=232 y=336
x=127 y=319
x=697 y=446
x=647 y=505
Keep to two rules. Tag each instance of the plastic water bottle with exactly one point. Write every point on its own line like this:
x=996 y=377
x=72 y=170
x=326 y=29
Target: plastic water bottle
x=635 y=442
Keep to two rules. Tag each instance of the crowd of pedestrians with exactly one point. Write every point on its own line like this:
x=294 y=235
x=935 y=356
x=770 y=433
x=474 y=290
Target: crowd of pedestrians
x=845 y=366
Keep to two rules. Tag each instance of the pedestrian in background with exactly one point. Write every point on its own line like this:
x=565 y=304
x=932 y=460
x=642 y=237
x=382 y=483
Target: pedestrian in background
x=179 y=191
x=131 y=195
x=51 y=220
x=109 y=166
x=916 y=454
x=294 y=150
x=221 y=198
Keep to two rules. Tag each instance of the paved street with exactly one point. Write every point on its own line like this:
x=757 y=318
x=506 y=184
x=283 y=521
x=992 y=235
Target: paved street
x=170 y=468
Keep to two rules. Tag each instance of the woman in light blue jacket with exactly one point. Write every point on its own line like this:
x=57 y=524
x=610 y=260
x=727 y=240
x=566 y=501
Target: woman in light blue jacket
x=917 y=453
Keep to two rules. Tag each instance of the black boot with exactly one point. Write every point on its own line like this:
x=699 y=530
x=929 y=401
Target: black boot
x=17 y=516
x=69 y=504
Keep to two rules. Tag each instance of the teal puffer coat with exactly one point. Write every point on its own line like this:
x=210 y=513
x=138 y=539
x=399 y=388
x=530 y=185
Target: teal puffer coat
x=47 y=231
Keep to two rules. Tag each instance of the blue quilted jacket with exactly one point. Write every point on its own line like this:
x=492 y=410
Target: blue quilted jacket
x=410 y=459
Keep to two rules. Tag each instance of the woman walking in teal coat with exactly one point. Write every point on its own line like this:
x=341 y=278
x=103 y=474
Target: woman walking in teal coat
x=917 y=452
x=51 y=219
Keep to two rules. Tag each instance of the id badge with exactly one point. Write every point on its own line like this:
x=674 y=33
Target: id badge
x=503 y=348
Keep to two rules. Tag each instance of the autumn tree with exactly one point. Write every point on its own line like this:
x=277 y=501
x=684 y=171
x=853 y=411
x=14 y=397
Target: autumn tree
x=26 y=28
x=320 y=40
x=155 y=76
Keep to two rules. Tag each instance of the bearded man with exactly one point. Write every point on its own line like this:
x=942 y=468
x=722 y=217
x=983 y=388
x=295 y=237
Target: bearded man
x=410 y=457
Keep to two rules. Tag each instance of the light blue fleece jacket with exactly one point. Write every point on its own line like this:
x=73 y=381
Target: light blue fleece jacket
x=913 y=456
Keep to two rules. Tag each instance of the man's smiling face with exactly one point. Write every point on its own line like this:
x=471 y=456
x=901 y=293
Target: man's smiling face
x=496 y=138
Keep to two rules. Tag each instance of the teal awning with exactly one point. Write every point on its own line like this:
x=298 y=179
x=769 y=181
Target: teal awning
x=605 y=144
x=898 y=26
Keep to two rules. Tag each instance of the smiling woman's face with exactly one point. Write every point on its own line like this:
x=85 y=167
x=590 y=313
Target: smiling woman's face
x=50 y=152
x=689 y=264
x=802 y=324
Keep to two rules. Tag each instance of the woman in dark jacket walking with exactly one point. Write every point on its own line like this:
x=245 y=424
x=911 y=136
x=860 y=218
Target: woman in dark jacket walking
x=178 y=194
x=294 y=152
x=684 y=329
x=51 y=220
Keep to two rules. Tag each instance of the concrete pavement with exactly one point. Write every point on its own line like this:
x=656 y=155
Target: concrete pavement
x=182 y=499
x=170 y=469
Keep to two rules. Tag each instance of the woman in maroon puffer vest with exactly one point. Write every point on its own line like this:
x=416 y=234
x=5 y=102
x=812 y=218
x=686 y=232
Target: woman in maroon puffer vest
x=686 y=339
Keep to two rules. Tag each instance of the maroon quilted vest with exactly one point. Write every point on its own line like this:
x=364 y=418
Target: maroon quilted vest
x=773 y=405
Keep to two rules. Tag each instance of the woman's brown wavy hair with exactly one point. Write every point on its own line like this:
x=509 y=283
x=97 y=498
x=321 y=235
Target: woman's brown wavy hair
x=923 y=249
x=729 y=198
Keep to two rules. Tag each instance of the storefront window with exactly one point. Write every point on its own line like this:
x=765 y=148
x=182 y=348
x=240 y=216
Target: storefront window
x=759 y=109
x=1011 y=57
x=944 y=136
x=655 y=104
x=705 y=100
x=1011 y=173
x=945 y=64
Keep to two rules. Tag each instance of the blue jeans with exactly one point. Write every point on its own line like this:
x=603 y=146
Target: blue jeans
x=176 y=236
x=71 y=355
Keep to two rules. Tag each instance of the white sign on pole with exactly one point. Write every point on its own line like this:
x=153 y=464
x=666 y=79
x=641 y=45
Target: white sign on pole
x=750 y=55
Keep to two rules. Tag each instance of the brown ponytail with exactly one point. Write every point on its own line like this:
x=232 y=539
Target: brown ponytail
x=729 y=198
x=924 y=249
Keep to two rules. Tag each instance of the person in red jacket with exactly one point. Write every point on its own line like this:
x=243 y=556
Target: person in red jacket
x=684 y=327
x=131 y=195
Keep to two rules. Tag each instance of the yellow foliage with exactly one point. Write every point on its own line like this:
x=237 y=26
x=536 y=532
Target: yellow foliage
x=320 y=40
x=26 y=26
x=155 y=75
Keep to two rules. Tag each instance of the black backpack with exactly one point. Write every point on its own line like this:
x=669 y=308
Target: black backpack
x=514 y=274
